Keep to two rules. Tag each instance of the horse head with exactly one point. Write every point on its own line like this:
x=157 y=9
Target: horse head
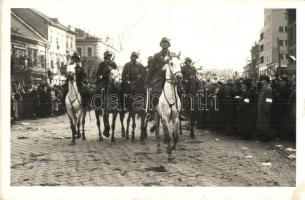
x=173 y=68
x=71 y=72
x=115 y=77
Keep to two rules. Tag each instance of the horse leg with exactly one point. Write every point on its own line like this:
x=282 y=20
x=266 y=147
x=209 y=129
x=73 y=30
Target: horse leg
x=114 y=115
x=98 y=123
x=106 y=124
x=72 y=129
x=175 y=132
x=133 y=127
x=122 y=124
x=145 y=125
x=143 y=137
x=78 y=135
x=167 y=139
x=192 y=120
x=83 y=125
x=127 y=128
x=157 y=131
x=180 y=124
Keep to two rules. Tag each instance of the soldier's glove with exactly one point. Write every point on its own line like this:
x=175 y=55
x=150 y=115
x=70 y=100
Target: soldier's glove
x=101 y=77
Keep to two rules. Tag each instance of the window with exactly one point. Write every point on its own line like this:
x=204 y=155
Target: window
x=262 y=59
x=261 y=48
x=79 y=50
x=283 y=29
x=261 y=36
x=89 y=51
x=283 y=43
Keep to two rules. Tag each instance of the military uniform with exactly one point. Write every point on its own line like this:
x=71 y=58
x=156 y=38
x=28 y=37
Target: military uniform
x=189 y=78
x=243 y=109
x=132 y=74
x=81 y=82
x=264 y=112
x=103 y=72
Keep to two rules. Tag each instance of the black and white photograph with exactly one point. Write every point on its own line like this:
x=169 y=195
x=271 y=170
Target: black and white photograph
x=152 y=95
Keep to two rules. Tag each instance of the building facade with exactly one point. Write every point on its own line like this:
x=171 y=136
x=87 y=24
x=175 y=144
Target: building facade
x=28 y=53
x=291 y=31
x=255 y=61
x=91 y=49
x=273 y=50
x=57 y=37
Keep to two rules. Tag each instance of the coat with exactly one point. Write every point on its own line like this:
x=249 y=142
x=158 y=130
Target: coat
x=133 y=76
x=155 y=73
x=264 y=104
x=103 y=71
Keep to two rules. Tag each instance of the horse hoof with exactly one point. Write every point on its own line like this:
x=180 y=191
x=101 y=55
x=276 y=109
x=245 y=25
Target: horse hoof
x=112 y=141
x=106 y=133
x=100 y=139
x=72 y=143
x=192 y=135
x=159 y=150
x=127 y=137
x=78 y=136
x=84 y=138
x=123 y=135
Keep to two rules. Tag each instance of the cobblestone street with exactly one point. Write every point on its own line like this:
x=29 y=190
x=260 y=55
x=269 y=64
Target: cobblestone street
x=41 y=156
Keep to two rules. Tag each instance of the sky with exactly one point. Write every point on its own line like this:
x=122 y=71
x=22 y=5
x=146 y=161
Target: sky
x=214 y=36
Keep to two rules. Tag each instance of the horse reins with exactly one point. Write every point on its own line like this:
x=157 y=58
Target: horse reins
x=175 y=85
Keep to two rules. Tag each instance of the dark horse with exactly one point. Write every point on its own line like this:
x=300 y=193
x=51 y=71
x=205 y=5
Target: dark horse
x=190 y=103
x=112 y=104
x=136 y=95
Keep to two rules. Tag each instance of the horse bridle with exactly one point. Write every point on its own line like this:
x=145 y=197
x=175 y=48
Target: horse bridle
x=173 y=81
x=172 y=75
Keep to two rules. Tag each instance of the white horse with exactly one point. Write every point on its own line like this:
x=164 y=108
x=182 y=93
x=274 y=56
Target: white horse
x=169 y=105
x=76 y=111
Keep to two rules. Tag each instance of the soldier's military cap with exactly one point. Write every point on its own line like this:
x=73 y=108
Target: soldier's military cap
x=134 y=54
x=188 y=59
x=165 y=39
x=107 y=53
x=75 y=55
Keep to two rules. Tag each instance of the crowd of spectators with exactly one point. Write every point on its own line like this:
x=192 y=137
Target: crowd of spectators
x=247 y=108
x=31 y=101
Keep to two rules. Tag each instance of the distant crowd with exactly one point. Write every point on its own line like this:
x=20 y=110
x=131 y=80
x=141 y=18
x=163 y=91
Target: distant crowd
x=35 y=101
x=248 y=109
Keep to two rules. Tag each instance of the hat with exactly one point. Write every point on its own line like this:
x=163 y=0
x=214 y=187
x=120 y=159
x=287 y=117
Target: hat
x=134 y=54
x=75 y=55
x=107 y=53
x=188 y=59
x=265 y=77
x=165 y=39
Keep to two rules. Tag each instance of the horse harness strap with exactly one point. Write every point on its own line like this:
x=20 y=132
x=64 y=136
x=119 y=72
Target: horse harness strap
x=171 y=104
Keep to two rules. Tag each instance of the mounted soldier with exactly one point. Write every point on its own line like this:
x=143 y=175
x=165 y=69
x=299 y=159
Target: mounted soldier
x=190 y=87
x=80 y=76
x=104 y=68
x=155 y=77
x=133 y=74
x=189 y=75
